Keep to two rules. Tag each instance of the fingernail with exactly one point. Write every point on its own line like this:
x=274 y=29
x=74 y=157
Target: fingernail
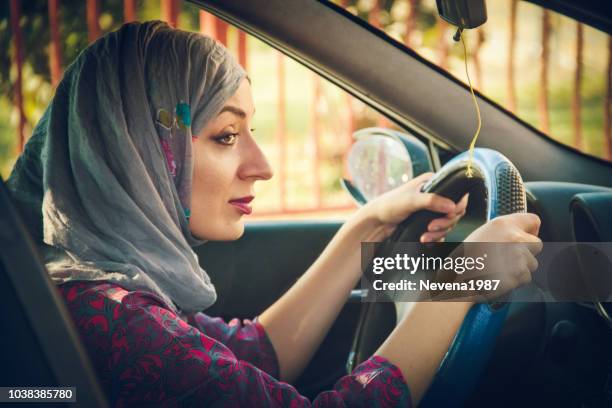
x=424 y=239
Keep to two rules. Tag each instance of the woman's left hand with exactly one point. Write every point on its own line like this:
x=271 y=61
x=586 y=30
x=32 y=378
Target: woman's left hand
x=396 y=205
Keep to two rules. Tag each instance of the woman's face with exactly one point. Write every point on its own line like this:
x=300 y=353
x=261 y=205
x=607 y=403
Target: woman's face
x=227 y=162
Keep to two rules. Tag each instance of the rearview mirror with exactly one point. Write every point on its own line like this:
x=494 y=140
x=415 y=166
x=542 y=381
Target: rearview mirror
x=463 y=13
x=381 y=160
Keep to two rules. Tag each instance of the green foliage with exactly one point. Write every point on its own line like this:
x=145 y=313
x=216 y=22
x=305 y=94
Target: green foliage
x=7 y=143
x=36 y=86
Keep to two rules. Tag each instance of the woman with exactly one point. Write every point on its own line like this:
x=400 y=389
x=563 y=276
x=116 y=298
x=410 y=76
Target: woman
x=146 y=151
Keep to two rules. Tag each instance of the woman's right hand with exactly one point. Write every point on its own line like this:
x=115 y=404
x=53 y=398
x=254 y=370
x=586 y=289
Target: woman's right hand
x=512 y=264
x=420 y=341
x=518 y=227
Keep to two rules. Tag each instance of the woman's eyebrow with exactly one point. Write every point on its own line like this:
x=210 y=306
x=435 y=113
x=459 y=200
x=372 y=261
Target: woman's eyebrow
x=233 y=109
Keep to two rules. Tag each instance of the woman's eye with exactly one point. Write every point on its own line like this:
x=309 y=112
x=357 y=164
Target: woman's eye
x=227 y=139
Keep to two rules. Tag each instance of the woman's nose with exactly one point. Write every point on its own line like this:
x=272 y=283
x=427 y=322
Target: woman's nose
x=255 y=164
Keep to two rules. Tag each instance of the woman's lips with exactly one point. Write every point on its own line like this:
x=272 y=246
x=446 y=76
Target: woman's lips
x=242 y=204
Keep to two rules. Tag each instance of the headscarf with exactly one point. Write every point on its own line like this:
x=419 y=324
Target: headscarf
x=104 y=183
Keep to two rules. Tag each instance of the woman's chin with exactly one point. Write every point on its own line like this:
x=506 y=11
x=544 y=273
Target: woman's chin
x=225 y=232
x=235 y=231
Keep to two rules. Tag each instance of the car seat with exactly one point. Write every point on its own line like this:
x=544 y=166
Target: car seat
x=39 y=345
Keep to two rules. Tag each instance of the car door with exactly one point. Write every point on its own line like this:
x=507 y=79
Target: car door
x=252 y=272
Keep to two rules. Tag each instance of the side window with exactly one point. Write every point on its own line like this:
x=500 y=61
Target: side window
x=303 y=123
x=551 y=71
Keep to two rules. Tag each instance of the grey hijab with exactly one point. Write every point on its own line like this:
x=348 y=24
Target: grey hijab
x=104 y=183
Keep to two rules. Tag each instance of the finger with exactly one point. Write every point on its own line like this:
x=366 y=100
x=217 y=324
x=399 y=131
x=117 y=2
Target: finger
x=517 y=272
x=532 y=262
x=462 y=204
x=523 y=268
x=433 y=236
x=433 y=202
x=507 y=284
x=421 y=179
x=528 y=222
x=445 y=222
x=525 y=276
x=440 y=224
x=534 y=244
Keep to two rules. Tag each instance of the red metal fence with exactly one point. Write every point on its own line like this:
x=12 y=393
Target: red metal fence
x=213 y=27
x=216 y=28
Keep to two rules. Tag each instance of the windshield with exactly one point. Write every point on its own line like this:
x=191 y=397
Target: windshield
x=546 y=68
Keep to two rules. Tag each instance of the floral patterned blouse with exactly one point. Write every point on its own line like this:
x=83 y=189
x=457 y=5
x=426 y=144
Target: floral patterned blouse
x=147 y=355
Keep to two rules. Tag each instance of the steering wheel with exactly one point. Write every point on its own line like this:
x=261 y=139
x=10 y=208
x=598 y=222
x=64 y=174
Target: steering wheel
x=495 y=189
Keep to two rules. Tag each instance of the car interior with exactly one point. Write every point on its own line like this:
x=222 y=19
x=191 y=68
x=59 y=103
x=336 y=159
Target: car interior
x=505 y=354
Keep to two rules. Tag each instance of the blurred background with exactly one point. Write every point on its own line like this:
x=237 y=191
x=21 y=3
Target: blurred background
x=549 y=70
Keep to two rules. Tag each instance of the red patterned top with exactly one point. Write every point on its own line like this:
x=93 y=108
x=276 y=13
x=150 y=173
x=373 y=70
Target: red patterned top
x=147 y=355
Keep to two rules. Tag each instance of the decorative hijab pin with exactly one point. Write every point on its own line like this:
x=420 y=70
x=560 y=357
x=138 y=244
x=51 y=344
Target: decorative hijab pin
x=183 y=115
x=180 y=120
x=165 y=119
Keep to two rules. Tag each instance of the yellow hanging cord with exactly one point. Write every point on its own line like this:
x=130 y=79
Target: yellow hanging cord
x=469 y=173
